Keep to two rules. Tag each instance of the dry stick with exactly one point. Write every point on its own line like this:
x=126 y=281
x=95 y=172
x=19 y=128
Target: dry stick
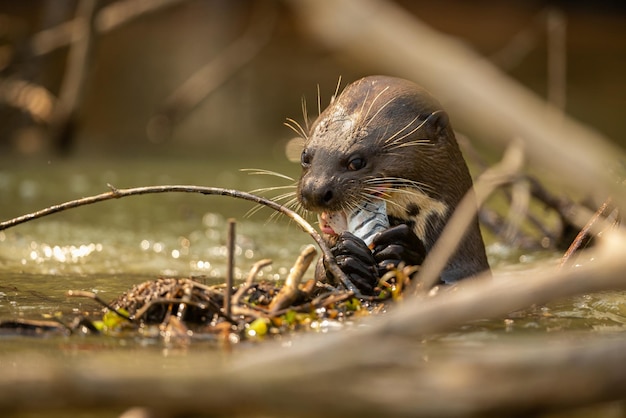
x=465 y=212
x=249 y=280
x=118 y=193
x=288 y=293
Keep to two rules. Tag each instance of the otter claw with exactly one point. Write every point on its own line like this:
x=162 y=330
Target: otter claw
x=396 y=244
x=355 y=259
x=350 y=244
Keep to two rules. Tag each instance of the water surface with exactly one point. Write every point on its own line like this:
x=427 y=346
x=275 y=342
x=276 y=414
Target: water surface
x=107 y=247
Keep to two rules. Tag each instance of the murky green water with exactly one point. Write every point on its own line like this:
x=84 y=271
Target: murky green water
x=108 y=247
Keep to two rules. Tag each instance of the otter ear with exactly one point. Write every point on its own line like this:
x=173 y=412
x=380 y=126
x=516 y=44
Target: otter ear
x=438 y=121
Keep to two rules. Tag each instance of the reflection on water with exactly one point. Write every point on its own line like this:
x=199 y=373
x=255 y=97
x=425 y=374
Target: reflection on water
x=107 y=247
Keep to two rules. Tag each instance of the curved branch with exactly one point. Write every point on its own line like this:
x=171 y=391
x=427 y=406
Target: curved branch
x=118 y=193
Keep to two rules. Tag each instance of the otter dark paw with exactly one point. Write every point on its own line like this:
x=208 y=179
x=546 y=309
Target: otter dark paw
x=355 y=259
x=398 y=244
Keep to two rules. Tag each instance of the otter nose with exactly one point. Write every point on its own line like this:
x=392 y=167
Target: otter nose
x=315 y=194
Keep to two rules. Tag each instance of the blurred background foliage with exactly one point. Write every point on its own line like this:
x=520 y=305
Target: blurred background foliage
x=208 y=78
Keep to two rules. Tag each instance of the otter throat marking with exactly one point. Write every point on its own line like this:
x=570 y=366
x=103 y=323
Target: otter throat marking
x=428 y=207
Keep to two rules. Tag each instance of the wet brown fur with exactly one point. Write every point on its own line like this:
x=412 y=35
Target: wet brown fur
x=411 y=159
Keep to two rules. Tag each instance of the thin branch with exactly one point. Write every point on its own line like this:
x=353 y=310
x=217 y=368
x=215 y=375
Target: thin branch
x=584 y=233
x=230 y=273
x=249 y=280
x=116 y=193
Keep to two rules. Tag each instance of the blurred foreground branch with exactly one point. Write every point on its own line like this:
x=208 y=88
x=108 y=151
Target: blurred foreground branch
x=380 y=369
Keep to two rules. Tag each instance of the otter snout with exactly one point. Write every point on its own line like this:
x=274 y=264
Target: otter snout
x=317 y=195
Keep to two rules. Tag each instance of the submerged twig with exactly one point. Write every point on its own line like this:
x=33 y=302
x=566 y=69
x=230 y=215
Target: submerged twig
x=92 y=295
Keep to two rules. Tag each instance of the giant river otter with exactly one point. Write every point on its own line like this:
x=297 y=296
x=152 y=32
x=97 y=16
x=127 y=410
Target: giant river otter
x=388 y=139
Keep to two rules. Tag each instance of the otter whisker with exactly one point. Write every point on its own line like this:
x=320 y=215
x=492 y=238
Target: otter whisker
x=291 y=194
x=262 y=171
x=388 y=140
x=319 y=101
x=377 y=192
x=397 y=140
x=413 y=143
x=295 y=205
x=292 y=204
x=296 y=127
x=384 y=196
x=256 y=208
x=379 y=110
x=396 y=181
x=399 y=185
x=305 y=115
x=334 y=96
x=373 y=102
x=272 y=188
x=367 y=95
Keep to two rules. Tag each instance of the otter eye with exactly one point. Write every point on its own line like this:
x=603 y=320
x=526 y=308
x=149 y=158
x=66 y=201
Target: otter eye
x=356 y=164
x=305 y=159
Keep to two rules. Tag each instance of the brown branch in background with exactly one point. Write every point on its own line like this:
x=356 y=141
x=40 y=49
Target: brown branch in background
x=72 y=90
x=215 y=73
x=557 y=58
x=518 y=47
x=125 y=11
x=572 y=215
x=109 y=18
x=119 y=193
x=33 y=99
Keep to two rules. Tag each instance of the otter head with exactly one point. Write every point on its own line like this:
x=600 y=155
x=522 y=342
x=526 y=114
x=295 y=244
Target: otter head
x=386 y=138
